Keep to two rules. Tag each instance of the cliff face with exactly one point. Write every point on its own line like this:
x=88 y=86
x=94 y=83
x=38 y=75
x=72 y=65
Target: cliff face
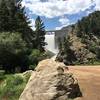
x=82 y=53
x=49 y=81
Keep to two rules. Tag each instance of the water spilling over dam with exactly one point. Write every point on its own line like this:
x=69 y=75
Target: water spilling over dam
x=51 y=38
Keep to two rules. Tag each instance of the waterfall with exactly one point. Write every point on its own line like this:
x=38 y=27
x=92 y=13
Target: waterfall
x=50 y=40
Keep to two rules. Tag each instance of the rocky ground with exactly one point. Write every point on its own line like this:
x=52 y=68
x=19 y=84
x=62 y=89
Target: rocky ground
x=52 y=81
x=89 y=81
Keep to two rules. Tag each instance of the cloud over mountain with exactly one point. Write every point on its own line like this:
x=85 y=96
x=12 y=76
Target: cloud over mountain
x=57 y=8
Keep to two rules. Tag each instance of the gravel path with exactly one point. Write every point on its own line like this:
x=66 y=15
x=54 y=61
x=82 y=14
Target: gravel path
x=89 y=81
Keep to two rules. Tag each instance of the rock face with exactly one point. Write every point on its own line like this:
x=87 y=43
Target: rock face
x=79 y=52
x=49 y=81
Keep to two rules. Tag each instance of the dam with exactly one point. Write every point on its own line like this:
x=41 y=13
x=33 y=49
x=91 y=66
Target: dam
x=52 y=36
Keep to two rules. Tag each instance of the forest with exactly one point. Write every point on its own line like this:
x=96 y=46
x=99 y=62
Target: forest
x=20 y=47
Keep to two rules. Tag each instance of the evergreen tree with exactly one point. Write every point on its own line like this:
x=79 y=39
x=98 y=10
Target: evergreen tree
x=61 y=51
x=22 y=22
x=69 y=56
x=13 y=52
x=59 y=44
x=89 y=24
x=4 y=16
x=13 y=18
x=66 y=54
x=40 y=34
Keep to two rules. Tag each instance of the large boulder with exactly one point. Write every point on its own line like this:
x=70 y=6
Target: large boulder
x=51 y=81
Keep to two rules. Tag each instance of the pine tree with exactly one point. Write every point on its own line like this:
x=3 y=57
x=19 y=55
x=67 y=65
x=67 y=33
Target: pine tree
x=66 y=54
x=89 y=24
x=59 y=44
x=4 y=16
x=69 y=57
x=40 y=34
x=22 y=22
x=13 y=19
x=79 y=29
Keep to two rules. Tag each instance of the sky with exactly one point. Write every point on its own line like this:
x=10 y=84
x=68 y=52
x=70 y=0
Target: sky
x=59 y=13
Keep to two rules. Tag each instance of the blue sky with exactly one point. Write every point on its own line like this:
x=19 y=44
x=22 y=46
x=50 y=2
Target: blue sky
x=59 y=13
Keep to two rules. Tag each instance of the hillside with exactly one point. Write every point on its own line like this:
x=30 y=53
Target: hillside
x=82 y=43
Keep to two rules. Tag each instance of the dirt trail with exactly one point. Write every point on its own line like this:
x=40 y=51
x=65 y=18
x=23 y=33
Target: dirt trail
x=89 y=81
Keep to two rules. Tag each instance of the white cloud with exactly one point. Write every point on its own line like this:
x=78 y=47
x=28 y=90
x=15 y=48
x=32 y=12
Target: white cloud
x=53 y=8
x=63 y=22
x=59 y=27
x=97 y=7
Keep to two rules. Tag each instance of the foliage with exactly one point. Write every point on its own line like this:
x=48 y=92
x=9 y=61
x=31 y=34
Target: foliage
x=4 y=16
x=14 y=53
x=2 y=74
x=12 y=50
x=36 y=56
x=17 y=39
x=13 y=19
x=89 y=24
x=12 y=87
x=69 y=57
x=27 y=75
x=87 y=32
x=66 y=54
x=39 y=34
x=59 y=43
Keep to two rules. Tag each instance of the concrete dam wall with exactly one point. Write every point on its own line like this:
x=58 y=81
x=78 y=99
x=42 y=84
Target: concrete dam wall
x=51 y=38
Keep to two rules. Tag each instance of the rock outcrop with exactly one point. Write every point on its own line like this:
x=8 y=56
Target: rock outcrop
x=50 y=81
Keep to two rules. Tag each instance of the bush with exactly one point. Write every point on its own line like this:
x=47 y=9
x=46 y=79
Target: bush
x=12 y=87
x=34 y=58
x=12 y=51
x=18 y=80
x=32 y=67
x=2 y=75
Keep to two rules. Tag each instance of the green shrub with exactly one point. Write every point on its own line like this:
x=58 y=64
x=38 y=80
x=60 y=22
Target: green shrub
x=27 y=75
x=34 y=58
x=12 y=51
x=32 y=67
x=2 y=76
x=12 y=87
x=18 y=80
x=34 y=55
